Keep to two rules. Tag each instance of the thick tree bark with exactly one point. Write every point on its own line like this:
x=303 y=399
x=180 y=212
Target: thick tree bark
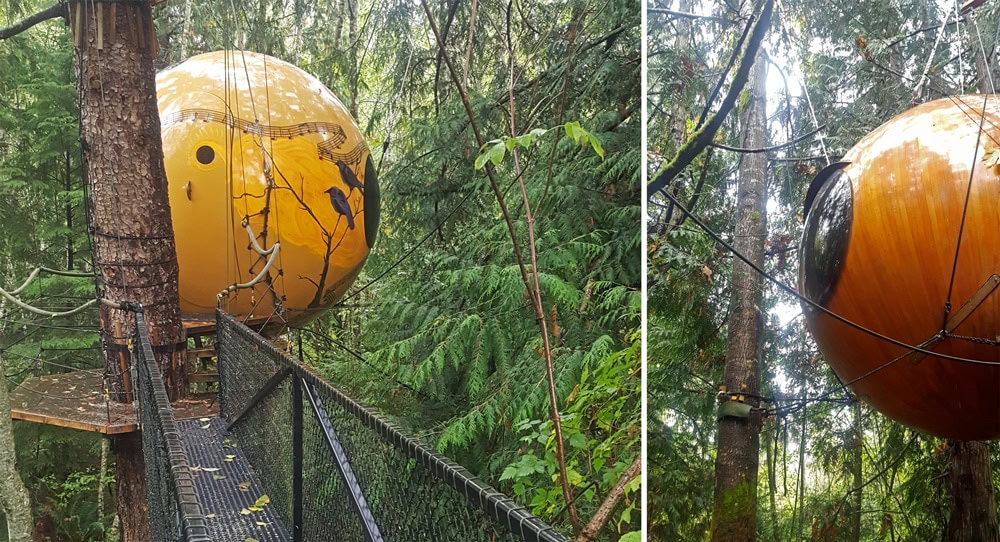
x=130 y=213
x=14 y=501
x=970 y=486
x=734 y=518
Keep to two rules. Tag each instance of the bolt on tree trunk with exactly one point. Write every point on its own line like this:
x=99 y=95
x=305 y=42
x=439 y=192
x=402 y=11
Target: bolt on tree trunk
x=129 y=213
x=734 y=517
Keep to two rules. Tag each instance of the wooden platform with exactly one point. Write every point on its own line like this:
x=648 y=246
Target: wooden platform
x=196 y=325
x=74 y=400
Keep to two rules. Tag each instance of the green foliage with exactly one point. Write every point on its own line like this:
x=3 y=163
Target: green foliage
x=43 y=223
x=73 y=509
x=601 y=420
x=495 y=150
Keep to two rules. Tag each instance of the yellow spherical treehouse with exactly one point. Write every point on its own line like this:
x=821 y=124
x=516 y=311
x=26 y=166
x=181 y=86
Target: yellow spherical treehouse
x=259 y=153
x=902 y=238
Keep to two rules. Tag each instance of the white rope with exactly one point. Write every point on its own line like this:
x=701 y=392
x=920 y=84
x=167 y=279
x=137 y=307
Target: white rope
x=12 y=295
x=34 y=274
x=43 y=312
x=256 y=246
x=271 y=253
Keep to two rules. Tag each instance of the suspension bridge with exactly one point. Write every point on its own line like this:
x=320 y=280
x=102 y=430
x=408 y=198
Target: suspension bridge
x=286 y=456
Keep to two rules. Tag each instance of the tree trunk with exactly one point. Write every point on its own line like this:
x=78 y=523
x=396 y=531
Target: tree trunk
x=970 y=486
x=771 y=449
x=353 y=45
x=855 y=448
x=68 y=185
x=130 y=214
x=679 y=115
x=14 y=501
x=734 y=518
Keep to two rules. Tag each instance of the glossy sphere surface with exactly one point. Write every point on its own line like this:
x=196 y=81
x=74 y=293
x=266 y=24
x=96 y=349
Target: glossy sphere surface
x=879 y=248
x=250 y=139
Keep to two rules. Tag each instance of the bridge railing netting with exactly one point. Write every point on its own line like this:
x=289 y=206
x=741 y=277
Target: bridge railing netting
x=174 y=511
x=392 y=488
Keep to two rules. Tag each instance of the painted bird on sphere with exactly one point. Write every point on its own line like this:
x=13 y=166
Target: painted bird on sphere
x=340 y=204
x=350 y=179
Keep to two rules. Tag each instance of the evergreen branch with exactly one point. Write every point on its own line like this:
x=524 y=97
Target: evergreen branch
x=490 y=173
x=51 y=12
x=703 y=137
x=576 y=21
x=603 y=514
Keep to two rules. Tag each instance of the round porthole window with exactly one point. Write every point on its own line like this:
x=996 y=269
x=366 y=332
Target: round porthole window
x=205 y=155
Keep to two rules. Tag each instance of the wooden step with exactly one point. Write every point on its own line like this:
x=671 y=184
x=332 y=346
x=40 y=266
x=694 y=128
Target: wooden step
x=195 y=378
x=204 y=352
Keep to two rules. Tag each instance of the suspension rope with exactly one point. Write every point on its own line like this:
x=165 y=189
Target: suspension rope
x=789 y=290
x=965 y=210
x=986 y=59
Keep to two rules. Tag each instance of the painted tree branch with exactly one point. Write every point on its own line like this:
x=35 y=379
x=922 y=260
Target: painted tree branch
x=704 y=136
x=536 y=298
x=51 y=12
x=603 y=514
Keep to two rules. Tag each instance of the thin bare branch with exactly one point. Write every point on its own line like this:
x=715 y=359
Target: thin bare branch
x=603 y=514
x=491 y=174
x=536 y=298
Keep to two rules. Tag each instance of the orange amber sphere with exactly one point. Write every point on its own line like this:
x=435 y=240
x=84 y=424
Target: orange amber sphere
x=250 y=141
x=879 y=248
